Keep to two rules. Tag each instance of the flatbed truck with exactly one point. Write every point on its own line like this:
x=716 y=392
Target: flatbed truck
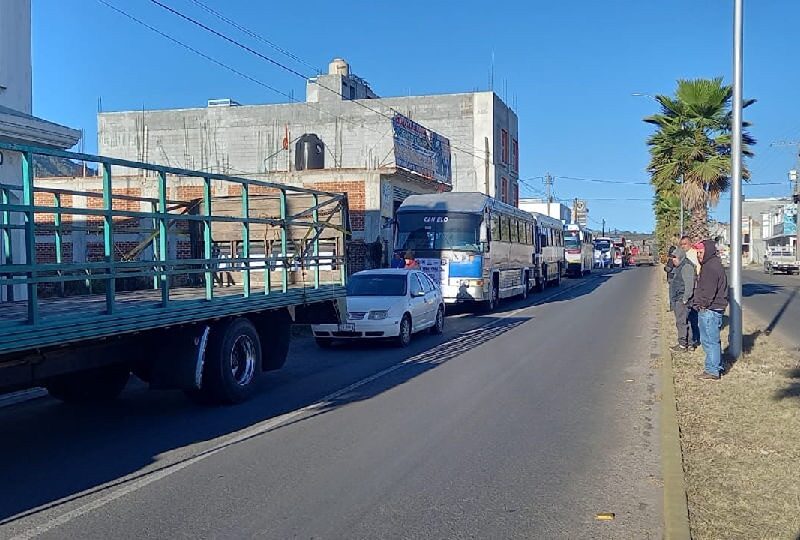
x=208 y=316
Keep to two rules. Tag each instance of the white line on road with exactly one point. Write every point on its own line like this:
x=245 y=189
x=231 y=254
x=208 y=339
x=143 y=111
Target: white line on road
x=135 y=482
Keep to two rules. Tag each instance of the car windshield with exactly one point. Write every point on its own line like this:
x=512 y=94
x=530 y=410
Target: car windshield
x=420 y=231
x=377 y=285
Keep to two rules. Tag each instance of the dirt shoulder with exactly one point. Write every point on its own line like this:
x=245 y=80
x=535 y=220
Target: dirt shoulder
x=740 y=439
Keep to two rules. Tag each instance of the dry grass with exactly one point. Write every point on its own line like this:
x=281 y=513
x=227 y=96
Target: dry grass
x=740 y=438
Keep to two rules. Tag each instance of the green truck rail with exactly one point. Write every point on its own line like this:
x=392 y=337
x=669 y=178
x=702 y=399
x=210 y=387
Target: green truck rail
x=181 y=252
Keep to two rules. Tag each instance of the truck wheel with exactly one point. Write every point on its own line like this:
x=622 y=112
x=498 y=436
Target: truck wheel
x=233 y=361
x=494 y=298
x=97 y=385
x=278 y=337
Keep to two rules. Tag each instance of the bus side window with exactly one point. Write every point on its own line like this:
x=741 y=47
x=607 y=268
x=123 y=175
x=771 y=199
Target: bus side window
x=504 y=229
x=495 y=228
x=514 y=231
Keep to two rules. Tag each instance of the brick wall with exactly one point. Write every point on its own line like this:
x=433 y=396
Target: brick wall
x=356 y=256
x=45 y=221
x=356 y=198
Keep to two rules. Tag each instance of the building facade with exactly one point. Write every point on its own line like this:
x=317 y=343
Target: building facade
x=553 y=209
x=767 y=222
x=18 y=125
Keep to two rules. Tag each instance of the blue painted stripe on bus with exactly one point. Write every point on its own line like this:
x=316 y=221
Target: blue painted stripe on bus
x=466 y=269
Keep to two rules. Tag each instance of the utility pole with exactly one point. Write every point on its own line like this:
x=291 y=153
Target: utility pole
x=604 y=228
x=575 y=210
x=735 y=335
x=548 y=182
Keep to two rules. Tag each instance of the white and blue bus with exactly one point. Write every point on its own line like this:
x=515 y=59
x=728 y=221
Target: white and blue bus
x=478 y=249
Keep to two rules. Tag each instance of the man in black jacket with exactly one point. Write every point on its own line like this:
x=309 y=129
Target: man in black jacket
x=681 y=289
x=710 y=301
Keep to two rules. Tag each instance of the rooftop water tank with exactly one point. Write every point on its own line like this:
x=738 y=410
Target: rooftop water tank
x=339 y=67
x=309 y=153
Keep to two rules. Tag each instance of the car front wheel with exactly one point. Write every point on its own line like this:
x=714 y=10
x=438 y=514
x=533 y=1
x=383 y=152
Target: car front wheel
x=403 y=339
x=438 y=325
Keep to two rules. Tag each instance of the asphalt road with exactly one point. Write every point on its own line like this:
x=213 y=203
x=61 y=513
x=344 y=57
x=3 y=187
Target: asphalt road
x=772 y=302
x=521 y=424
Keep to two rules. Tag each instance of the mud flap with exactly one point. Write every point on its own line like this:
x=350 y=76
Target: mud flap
x=181 y=359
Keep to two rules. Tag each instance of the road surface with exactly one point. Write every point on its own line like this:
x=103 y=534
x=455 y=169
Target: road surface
x=521 y=424
x=773 y=303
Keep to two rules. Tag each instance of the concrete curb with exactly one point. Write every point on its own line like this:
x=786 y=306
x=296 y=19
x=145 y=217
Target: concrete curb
x=676 y=508
x=15 y=398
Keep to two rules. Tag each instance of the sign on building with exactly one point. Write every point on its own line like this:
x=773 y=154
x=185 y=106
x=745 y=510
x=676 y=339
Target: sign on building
x=581 y=213
x=790 y=219
x=420 y=150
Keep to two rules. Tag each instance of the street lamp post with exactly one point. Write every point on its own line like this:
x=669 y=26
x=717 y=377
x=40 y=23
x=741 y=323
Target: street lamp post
x=735 y=334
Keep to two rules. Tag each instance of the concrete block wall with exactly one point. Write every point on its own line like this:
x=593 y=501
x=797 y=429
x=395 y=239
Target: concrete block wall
x=249 y=139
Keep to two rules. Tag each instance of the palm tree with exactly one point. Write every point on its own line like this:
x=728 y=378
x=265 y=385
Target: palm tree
x=690 y=152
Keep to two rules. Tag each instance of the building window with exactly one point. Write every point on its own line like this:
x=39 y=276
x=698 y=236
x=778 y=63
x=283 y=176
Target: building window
x=503 y=190
x=515 y=155
x=504 y=145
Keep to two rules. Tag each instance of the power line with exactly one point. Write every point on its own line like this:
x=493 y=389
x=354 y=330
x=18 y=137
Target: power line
x=605 y=181
x=233 y=70
x=285 y=67
x=253 y=34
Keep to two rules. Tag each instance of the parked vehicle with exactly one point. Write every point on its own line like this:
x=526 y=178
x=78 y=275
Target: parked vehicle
x=209 y=293
x=477 y=249
x=579 y=250
x=781 y=259
x=387 y=303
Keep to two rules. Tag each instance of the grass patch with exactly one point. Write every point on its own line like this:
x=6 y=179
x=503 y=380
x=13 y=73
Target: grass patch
x=740 y=438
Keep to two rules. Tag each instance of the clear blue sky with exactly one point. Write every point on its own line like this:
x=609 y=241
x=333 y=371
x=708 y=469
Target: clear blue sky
x=571 y=67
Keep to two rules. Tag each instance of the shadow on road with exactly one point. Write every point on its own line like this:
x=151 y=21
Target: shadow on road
x=755 y=289
x=792 y=390
x=52 y=453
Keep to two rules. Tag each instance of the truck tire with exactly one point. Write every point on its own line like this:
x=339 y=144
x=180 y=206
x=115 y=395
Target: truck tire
x=277 y=340
x=233 y=362
x=98 y=385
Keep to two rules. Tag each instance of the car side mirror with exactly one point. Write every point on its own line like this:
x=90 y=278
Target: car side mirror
x=418 y=294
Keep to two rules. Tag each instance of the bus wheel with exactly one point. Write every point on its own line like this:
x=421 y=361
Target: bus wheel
x=525 y=287
x=490 y=304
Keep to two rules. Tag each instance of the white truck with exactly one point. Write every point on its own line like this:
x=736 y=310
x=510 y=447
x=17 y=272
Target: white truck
x=781 y=259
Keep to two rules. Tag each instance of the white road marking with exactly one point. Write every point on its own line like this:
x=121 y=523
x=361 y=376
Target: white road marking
x=134 y=482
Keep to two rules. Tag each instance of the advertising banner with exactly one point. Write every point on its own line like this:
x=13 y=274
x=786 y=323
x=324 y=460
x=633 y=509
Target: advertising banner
x=421 y=150
x=790 y=219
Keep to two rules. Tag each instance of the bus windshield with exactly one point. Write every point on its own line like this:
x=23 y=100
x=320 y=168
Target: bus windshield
x=420 y=231
x=602 y=245
x=572 y=241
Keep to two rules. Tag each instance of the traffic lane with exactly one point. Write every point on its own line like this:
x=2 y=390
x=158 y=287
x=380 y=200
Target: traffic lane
x=58 y=451
x=523 y=436
x=772 y=301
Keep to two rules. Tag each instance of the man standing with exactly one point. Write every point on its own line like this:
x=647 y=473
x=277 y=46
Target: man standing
x=710 y=301
x=681 y=289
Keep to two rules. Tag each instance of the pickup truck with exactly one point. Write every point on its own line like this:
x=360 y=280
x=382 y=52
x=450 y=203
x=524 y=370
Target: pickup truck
x=781 y=260
x=221 y=267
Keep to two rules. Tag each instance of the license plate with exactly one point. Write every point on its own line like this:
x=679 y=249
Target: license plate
x=348 y=327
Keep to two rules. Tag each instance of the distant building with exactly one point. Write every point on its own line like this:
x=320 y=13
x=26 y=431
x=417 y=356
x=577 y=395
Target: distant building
x=370 y=147
x=554 y=209
x=17 y=124
x=767 y=222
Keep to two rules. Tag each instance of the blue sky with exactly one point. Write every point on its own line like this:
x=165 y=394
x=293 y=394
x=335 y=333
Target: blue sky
x=570 y=67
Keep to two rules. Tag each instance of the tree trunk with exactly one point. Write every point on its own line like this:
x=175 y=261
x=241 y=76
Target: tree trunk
x=698 y=224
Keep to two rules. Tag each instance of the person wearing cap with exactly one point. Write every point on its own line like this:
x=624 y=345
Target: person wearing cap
x=411 y=262
x=710 y=300
x=681 y=289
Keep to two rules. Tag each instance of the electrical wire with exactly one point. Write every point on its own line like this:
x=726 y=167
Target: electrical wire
x=285 y=67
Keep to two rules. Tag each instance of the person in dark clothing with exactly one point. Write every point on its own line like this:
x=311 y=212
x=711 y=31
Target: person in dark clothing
x=710 y=300
x=669 y=268
x=376 y=253
x=681 y=289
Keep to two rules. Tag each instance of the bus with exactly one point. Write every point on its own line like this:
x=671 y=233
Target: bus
x=604 y=252
x=477 y=249
x=579 y=250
